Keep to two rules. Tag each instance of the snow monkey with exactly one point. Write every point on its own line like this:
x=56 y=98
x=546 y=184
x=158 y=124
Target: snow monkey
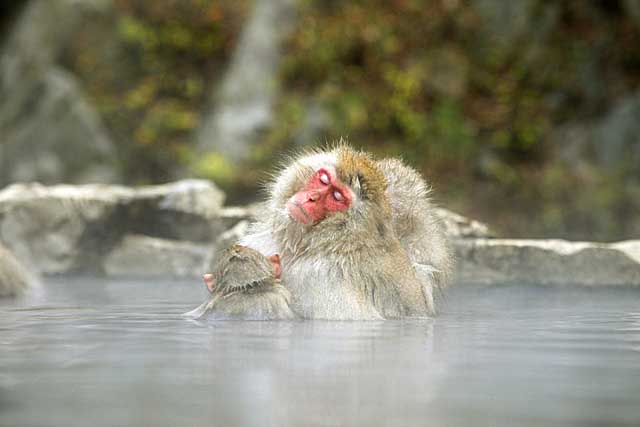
x=357 y=238
x=245 y=285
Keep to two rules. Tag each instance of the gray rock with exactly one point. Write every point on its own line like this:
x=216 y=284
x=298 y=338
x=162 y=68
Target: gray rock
x=457 y=225
x=242 y=105
x=179 y=258
x=65 y=228
x=143 y=256
x=176 y=229
x=49 y=225
x=182 y=210
x=59 y=138
x=232 y=215
x=50 y=132
x=547 y=262
x=14 y=277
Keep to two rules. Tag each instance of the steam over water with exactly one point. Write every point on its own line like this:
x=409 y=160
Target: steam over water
x=97 y=352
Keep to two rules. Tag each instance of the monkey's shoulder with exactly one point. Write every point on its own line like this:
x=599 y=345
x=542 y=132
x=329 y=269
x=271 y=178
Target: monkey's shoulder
x=402 y=179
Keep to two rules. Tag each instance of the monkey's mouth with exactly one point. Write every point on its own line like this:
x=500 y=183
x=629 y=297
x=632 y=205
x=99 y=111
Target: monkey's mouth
x=298 y=213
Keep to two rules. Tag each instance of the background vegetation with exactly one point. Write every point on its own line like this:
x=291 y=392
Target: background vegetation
x=486 y=105
x=476 y=113
x=148 y=67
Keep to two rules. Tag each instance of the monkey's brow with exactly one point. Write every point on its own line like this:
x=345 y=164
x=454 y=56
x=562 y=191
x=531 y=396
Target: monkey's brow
x=306 y=171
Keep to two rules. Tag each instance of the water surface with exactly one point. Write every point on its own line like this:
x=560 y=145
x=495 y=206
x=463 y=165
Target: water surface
x=98 y=352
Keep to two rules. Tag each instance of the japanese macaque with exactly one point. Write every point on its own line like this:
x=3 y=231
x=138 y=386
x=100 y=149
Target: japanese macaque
x=245 y=285
x=357 y=238
x=14 y=278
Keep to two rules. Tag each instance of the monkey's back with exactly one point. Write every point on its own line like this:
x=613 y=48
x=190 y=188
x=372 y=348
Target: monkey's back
x=419 y=230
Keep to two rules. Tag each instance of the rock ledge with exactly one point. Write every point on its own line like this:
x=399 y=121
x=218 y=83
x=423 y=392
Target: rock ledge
x=548 y=262
x=175 y=230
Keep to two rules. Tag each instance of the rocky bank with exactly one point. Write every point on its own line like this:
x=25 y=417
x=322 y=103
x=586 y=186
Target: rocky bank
x=174 y=230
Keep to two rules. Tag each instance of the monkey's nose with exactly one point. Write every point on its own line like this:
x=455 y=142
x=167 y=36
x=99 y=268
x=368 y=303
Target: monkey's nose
x=313 y=196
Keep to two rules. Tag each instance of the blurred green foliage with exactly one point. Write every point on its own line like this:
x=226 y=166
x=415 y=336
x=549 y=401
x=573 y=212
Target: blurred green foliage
x=150 y=79
x=474 y=104
x=430 y=81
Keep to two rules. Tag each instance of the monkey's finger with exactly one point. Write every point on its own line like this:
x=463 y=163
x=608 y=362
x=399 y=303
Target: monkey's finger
x=209 y=281
x=275 y=262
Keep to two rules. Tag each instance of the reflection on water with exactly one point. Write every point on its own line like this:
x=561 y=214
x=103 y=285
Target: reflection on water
x=119 y=353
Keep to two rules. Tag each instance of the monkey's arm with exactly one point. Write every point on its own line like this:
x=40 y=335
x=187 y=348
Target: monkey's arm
x=427 y=277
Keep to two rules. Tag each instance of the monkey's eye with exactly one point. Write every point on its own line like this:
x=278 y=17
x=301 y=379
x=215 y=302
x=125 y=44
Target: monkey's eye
x=324 y=178
x=338 y=196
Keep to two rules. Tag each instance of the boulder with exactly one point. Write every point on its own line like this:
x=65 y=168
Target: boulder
x=64 y=228
x=547 y=262
x=182 y=210
x=457 y=226
x=50 y=131
x=51 y=226
x=232 y=215
x=144 y=256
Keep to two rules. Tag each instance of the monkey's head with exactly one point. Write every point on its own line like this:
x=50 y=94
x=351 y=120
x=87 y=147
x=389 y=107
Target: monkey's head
x=335 y=195
x=242 y=269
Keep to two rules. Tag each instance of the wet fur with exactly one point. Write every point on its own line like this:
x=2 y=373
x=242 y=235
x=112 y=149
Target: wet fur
x=379 y=259
x=245 y=289
x=259 y=302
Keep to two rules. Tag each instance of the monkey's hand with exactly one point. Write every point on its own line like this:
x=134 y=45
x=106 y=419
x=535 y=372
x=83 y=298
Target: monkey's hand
x=210 y=278
x=277 y=268
x=209 y=282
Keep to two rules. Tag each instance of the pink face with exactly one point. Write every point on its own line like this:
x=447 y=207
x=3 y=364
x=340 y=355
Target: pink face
x=321 y=195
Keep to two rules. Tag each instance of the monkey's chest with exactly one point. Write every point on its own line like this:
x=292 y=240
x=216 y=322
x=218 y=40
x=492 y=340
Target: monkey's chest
x=321 y=291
